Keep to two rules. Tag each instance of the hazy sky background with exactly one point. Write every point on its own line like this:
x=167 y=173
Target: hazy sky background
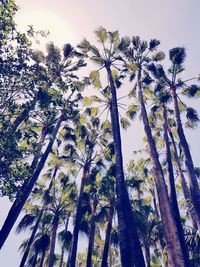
x=173 y=22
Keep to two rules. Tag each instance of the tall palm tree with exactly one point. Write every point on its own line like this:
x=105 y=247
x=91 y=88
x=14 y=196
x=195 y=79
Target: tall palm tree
x=88 y=151
x=130 y=249
x=184 y=185
x=18 y=204
x=108 y=195
x=139 y=56
x=177 y=56
x=65 y=237
x=163 y=98
x=68 y=106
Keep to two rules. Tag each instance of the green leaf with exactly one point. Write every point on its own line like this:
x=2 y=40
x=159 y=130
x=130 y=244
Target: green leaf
x=97 y=60
x=181 y=106
x=94 y=50
x=94 y=78
x=94 y=111
x=158 y=56
x=82 y=120
x=96 y=99
x=124 y=43
x=133 y=67
x=124 y=123
x=84 y=46
x=132 y=111
x=114 y=73
x=192 y=115
x=106 y=125
x=114 y=36
x=79 y=86
x=101 y=34
x=87 y=101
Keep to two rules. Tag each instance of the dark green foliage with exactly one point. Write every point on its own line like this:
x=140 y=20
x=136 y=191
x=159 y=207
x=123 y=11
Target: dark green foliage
x=67 y=50
x=153 y=44
x=42 y=243
x=192 y=114
x=25 y=222
x=192 y=90
x=177 y=55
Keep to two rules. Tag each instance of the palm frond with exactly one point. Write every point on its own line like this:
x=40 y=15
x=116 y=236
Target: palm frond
x=177 y=55
x=192 y=114
x=25 y=222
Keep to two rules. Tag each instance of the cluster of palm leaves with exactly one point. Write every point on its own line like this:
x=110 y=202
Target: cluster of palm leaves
x=61 y=151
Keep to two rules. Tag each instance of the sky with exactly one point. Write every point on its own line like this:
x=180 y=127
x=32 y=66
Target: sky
x=174 y=23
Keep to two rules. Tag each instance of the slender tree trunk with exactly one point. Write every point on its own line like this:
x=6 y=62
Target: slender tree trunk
x=184 y=185
x=18 y=204
x=31 y=239
x=193 y=183
x=157 y=216
x=174 y=251
x=42 y=259
x=147 y=255
x=53 y=240
x=172 y=189
x=91 y=243
x=62 y=256
x=130 y=249
x=63 y=247
x=72 y=261
x=35 y=259
x=91 y=237
x=104 y=262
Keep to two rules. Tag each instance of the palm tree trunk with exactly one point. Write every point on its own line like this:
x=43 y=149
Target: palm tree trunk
x=130 y=249
x=63 y=247
x=53 y=240
x=42 y=259
x=104 y=262
x=18 y=204
x=174 y=251
x=157 y=216
x=35 y=259
x=62 y=256
x=91 y=242
x=72 y=259
x=147 y=255
x=193 y=183
x=31 y=239
x=184 y=185
x=172 y=189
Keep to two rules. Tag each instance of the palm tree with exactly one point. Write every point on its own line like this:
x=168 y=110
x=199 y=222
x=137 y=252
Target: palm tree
x=18 y=204
x=139 y=56
x=184 y=185
x=107 y=191
x=41 y=245
x=38 y=217
x=177 y=56
x=62 y=201
x=163 y=98
x=65 y=237
x=130 y=249
x=87 y=139
x=68 y=107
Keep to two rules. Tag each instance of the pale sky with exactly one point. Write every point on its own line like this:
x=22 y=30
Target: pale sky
x=173 y=22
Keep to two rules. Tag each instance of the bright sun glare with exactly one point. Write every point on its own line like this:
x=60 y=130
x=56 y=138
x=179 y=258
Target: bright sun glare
x=60 y=32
